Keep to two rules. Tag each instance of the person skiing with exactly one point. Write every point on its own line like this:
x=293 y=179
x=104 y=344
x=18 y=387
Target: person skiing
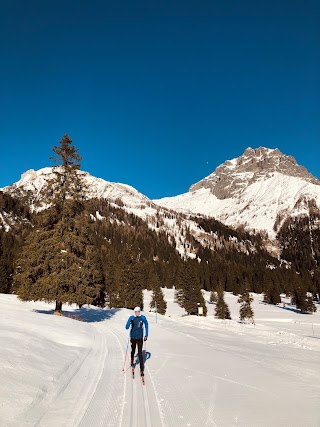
x=136 y=334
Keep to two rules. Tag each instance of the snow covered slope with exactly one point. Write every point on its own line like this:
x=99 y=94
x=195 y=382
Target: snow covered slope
x=259 y=190
x=57 y=371
x=32 y=182
x=29 y=189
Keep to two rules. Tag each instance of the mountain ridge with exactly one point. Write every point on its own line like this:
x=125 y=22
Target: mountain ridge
x=253 y=190
x=258 y=190
x=222 y=237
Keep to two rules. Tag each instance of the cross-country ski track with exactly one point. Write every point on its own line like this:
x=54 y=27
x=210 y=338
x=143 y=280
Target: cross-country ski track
x=198 y=372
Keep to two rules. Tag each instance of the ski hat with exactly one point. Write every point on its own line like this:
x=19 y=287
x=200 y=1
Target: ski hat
x=137 y=309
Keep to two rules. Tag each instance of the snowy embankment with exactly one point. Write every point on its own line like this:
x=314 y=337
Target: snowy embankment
x=57 y=371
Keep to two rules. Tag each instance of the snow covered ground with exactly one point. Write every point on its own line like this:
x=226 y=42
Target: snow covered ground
x=56 y=371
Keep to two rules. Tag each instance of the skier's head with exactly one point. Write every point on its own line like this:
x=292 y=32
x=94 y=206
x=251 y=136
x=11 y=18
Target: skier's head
x=137 y=311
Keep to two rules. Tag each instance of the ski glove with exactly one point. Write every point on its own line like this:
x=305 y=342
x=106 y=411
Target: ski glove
x=131 y=321
x=145 y=338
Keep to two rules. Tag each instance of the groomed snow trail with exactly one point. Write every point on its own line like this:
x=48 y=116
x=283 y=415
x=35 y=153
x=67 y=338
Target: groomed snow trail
x=198 y=372
x=118 y=399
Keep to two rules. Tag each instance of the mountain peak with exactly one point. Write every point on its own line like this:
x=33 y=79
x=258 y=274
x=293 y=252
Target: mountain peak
x=30 y=186
x=253 y=165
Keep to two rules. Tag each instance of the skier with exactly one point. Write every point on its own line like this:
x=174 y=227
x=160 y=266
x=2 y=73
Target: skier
x=136 y=334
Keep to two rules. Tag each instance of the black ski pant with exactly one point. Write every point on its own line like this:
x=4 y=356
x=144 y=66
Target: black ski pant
x=137 y=342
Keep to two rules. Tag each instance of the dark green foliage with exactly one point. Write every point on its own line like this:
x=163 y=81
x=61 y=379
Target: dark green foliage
x=222 y=310
x=300 y=299
x=246 y=311
x=157 y=301
x=316 y=283
x=272 y=292
x=67 y=182
x=300 y=239
x=130 y=294
x=213 y=297
x=58 y=261
x=10 y=240
x=188 y=294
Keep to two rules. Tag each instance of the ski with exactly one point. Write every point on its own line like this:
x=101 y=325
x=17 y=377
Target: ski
x=132 y=370
x=142 y=379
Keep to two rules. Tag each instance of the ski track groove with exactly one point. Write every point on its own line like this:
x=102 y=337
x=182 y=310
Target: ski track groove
x=39 y=407
x=140 y=396
x=38 y=413
x=128 y=391
x=103 y=409
x=133 y=419
x=87 y=389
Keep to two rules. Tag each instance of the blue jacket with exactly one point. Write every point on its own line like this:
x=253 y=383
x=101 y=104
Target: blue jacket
x=137 y=328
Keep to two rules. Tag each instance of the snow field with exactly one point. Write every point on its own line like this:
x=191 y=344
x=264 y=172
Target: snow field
x=199 y=371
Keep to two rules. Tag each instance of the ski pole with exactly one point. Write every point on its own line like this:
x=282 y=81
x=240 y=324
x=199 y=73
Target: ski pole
x=125 y=357
x=145 y=348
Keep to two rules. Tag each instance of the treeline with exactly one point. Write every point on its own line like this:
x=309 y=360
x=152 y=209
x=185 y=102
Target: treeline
x=299 y=238
x=14 y=226
x=132 y=257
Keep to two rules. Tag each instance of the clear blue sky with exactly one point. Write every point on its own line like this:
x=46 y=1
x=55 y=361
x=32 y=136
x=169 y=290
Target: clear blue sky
x=157 y=94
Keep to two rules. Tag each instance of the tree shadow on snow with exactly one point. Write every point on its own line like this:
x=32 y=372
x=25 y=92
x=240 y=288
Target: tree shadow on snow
x=88 y=315
x=96 y=315
x=289 y=308
x=286 y=307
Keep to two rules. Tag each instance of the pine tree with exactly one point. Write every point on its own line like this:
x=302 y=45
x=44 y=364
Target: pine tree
x=222 y=310
x=130 y=294
x=58 y=262
x=300 y=299
x=157 y=299
x=188 y=294
x=246 y=311
x=4 y=279
x=272 y=292
x=112 y=273
x=67 y=181
x=213 y=297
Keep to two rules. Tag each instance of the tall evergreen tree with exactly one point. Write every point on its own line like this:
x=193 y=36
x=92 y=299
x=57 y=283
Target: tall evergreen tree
x=58 y=262
x=188 y=294
x=213 y=296
x=300 y=299
x=130 y=294
x=246 y=311
x=157 y=298
x=222 y=310
x=272 y=292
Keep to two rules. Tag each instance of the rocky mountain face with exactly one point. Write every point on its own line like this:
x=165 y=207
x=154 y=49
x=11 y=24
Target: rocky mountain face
x=183 y=230
x=255 y=164
x=258 y=190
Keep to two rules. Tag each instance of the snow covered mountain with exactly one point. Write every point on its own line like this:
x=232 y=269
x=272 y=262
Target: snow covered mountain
x=30 y=185
x=179 y=227
x=259 y=190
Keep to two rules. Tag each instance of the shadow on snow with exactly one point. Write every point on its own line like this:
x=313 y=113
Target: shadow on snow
x=287 y=306
x=88 y=315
